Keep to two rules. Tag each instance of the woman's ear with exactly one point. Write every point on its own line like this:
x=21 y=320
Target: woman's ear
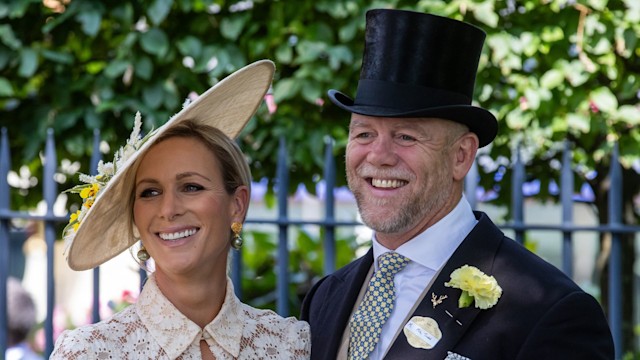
x=464 y=155
x=240 y=203
x=135 y=231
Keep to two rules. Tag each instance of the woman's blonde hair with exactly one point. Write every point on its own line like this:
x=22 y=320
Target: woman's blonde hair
x=233 y=165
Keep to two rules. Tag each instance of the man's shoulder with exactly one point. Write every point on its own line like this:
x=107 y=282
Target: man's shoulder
x=513 y=260
x=350 y=270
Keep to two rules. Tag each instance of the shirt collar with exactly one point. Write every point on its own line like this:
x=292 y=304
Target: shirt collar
x=174 y=332
x=436 y=244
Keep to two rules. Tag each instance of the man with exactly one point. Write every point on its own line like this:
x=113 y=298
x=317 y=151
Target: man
x=461 y=289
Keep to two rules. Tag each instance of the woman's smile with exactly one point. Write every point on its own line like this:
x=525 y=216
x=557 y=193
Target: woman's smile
x=178 y=235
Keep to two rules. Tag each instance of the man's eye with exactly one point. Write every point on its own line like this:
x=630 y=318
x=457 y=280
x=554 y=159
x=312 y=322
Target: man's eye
x=406 y=138
x=363 y=137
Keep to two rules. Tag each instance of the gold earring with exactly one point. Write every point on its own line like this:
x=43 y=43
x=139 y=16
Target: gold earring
x=236 y=242
x=143 y=255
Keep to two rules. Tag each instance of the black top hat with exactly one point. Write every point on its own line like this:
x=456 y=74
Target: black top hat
x=420 y=65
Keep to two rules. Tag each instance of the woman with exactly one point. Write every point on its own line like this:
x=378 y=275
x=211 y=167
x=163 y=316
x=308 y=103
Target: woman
x=184 y=192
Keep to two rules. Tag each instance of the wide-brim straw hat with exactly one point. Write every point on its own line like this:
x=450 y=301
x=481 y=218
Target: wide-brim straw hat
x=107 y=228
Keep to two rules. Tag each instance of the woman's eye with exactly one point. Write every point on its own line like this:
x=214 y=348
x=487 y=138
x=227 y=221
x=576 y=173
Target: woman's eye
x=148 y=193
x=193 y=187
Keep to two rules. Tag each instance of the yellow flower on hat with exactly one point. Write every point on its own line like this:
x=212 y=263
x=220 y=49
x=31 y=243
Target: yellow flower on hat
x=475 y=285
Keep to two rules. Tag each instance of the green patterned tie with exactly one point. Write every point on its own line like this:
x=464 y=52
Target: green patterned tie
x=366 y=323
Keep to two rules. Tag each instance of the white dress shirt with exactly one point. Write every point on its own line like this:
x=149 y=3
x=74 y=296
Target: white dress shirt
x=428 y=252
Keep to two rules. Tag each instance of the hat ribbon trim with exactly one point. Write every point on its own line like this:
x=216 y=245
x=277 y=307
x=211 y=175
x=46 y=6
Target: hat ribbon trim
x=406 y=97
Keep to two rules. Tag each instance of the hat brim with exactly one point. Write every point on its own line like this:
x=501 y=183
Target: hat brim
x=106 y=230
x=480 y=121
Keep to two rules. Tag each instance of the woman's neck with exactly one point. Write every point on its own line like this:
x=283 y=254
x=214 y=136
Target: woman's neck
x=199 y=299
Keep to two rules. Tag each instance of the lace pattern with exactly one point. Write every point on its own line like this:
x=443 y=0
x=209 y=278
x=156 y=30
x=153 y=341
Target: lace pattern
x=153 y=328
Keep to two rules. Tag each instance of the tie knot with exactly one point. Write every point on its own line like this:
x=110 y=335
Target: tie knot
x=392 y=262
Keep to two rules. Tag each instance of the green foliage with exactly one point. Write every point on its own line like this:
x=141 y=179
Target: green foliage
x=306 y=265
x=551 y=70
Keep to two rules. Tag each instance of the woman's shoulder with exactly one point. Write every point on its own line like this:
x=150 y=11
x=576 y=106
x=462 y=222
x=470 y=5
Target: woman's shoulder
x=272 y=319
x=272 y=333
x=103 y=336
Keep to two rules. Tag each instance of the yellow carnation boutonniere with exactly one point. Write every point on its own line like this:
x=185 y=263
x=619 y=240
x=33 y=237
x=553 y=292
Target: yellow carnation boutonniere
x=475 y=285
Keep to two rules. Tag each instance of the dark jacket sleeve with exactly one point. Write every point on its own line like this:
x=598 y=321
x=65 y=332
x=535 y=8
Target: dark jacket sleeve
x=573 y=328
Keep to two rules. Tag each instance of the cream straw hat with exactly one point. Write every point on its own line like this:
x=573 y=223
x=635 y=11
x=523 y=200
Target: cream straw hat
x=103 y=227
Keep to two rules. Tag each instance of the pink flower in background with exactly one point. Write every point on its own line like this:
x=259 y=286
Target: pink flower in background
x=271 y=102
x=320 y=102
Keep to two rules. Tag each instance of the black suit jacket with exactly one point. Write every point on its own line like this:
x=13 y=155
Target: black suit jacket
x=542 y=314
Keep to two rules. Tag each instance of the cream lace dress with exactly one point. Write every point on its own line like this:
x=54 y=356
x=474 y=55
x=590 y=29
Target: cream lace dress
x=153 y=328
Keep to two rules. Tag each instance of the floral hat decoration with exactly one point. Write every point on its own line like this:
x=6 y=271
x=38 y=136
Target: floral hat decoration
x=103 y=227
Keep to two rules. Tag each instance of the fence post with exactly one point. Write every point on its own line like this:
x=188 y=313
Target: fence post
x=236 y=272
x=95 y=159
x=5 y=165
x=471 y=185
x=50 y=190
x=615 y=260
x=282 y=302
x=330 y=229
x=517 y=197
x=566 y=196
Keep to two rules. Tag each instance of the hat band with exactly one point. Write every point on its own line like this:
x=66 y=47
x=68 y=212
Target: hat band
x=405 y=97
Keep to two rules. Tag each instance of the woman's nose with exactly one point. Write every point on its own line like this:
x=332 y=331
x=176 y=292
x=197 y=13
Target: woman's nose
x=170 y=206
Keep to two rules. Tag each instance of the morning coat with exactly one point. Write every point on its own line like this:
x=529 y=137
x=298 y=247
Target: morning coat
x=542 y=313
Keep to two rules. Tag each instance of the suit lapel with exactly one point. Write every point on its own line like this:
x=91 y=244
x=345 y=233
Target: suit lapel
x=343 y=290
x=478 y=249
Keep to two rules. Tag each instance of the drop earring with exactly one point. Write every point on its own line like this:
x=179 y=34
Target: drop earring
x=236 y=241
x=143 y=255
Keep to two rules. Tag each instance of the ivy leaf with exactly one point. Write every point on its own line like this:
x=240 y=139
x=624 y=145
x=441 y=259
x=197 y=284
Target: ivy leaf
x=8 y=37
x=604 y=99
x=153 y=95
x=155 y=42
x=144 y=68
x=231 y=27
x=116 y=68
x=159 y=10
x=579 y=122
x=190 y=46
x=28 y=62
x=90 y=21
x=628 y=114
x=6 y=90
x=285 y=89
x=485 y=13
x=551 y=79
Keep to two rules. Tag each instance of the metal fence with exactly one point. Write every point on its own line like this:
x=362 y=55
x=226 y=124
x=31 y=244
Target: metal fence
x=50 y=191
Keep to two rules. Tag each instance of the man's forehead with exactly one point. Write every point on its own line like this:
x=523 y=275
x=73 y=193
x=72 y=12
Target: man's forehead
x=364 y=120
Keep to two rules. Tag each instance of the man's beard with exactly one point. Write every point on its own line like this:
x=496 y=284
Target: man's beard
x=409 y=210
